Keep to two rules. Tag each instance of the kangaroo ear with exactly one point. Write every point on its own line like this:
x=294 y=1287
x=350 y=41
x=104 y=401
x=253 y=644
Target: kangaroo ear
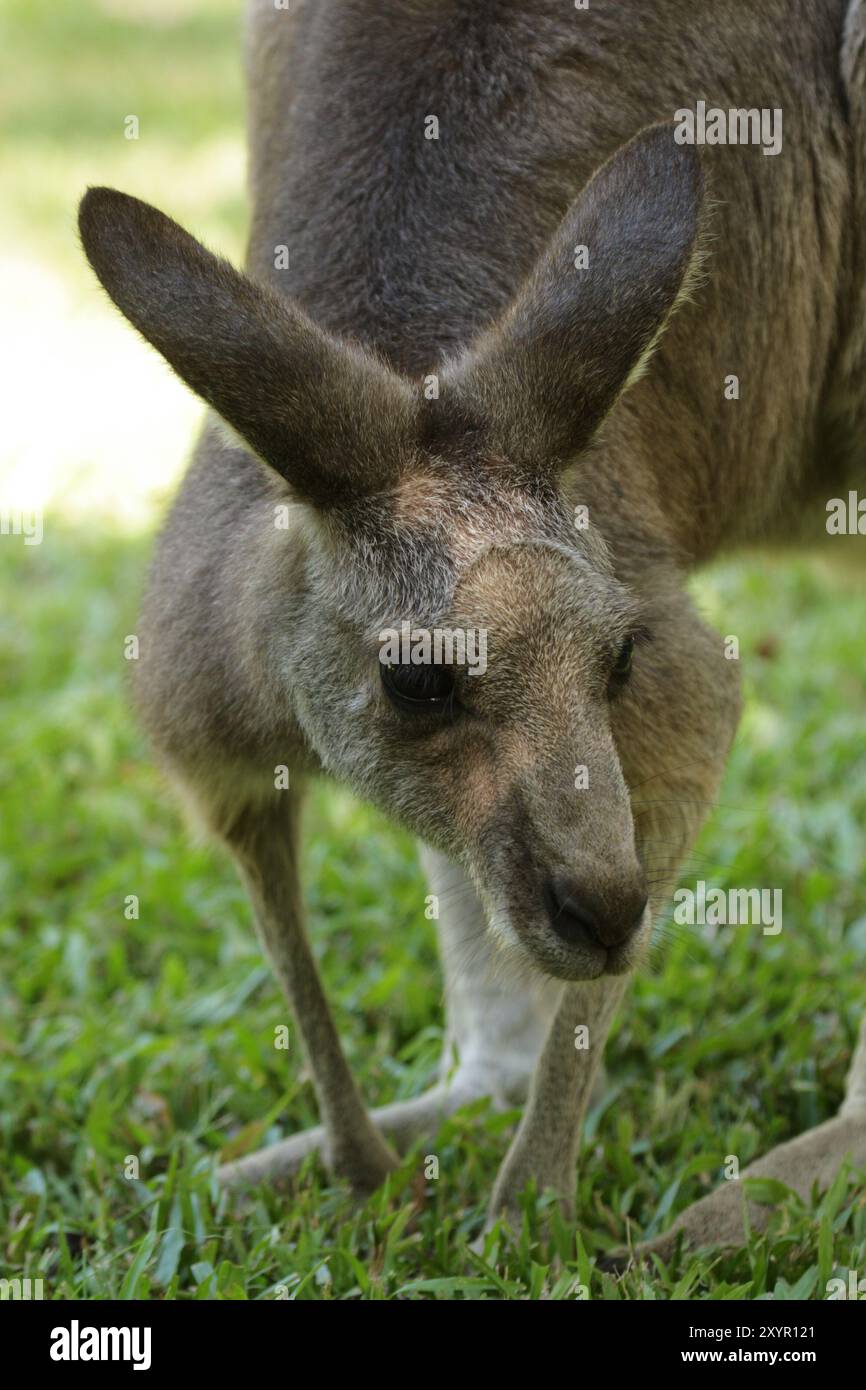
x=545 y=375
x=329 y=417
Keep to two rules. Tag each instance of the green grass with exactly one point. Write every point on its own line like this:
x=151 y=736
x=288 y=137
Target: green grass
x=154 y=1037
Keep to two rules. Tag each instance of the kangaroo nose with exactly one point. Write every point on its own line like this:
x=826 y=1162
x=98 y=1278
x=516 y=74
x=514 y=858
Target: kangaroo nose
x=578 y=915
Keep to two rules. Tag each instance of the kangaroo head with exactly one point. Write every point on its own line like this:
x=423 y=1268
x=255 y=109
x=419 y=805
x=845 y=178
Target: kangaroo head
x=457 y=652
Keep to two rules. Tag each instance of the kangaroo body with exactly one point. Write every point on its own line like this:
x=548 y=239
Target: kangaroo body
x=429 y=173
x=414 y=245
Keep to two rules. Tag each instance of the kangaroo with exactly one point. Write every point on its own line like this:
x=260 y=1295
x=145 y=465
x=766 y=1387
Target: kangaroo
x=476 y=377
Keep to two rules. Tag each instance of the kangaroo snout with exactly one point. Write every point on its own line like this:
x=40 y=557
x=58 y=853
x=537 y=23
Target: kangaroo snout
x=574 y=917
x=579 y=915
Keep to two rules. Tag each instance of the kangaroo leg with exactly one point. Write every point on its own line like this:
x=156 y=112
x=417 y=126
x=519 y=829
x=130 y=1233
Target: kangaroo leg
x=813 y=1157
x=546 y=1143
x=264 y=844
x=496 y=1029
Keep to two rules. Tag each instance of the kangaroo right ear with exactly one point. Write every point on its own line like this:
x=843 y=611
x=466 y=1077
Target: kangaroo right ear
x=541 y=380
x=328 y=416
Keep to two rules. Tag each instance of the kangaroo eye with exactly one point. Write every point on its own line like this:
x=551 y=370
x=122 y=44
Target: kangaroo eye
x=422 y=688
x=622 y=667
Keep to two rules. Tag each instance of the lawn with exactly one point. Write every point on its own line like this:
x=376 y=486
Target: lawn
x=135 y=1050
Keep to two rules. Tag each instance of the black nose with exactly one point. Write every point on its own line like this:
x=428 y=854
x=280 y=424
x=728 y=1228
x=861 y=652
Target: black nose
x=579 y=916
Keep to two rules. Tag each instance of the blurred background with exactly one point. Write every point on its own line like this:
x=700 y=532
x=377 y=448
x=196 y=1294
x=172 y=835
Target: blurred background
x=151 y=1036
x=94 y=426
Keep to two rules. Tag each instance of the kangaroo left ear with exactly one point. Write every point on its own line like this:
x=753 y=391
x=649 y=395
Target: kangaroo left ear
x=547 y=373
x=328 y=416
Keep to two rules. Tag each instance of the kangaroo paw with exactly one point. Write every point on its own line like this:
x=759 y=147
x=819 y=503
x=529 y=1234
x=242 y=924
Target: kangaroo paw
x=402 y=1123
x=813 y=1157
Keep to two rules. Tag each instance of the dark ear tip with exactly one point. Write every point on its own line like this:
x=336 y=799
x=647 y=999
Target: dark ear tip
x=661 y=135
x=92 y=210
x=95 y=197
x=662 y=138
x=670 y=163
x=101 y=205
x=111 y=224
